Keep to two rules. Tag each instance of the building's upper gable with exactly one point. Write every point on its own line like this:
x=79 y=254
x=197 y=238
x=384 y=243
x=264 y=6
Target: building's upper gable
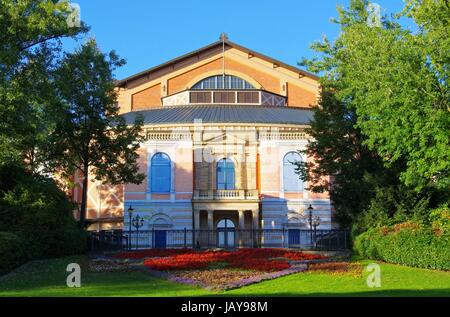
x=288 y=85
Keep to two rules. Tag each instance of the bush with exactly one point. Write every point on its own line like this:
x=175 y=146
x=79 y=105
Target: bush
x=440 y=220
x=390 y=205
x=12 y=252
x=406 y=243
x=40 y=214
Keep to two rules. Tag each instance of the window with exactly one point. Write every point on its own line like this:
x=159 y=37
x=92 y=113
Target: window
x=291 y=180
x=225 y=224
x=226 y=234
x=160 y=171
x=225 y=174
x=217 y=82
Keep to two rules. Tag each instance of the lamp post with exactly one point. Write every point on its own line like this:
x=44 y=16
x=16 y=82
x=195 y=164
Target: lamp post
x=138 y=222
x=310 y=221
x=130 y=214
x=315 y=223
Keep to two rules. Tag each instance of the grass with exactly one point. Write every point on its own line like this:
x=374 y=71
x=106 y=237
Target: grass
x=48 y=278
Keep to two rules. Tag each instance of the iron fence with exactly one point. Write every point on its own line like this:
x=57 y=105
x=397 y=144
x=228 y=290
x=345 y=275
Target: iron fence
x=320 y=239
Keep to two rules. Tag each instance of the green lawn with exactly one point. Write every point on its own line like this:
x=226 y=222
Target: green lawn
x=48 y=278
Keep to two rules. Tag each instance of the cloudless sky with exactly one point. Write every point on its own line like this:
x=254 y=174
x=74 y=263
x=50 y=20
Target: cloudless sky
x=149 y=32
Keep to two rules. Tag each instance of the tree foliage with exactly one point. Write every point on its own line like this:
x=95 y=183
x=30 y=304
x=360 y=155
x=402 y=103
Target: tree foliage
x=396 y=80
x=29 y=51
x=89 y=134
x=382 y=127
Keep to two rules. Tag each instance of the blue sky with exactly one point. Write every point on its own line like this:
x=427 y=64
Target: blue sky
x=149 y=32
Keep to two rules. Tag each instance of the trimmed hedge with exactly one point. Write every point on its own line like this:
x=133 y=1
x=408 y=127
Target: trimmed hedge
x=406 y=243
x=16 y=249
x=54 y=243
x=12 y=252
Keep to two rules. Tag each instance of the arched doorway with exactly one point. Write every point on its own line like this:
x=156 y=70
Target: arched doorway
x=160 y=233
x=226 y=233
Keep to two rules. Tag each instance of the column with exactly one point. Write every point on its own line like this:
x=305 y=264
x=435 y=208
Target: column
x=255 y=226
x=195 y=234
x=197 y=219
x=255 y=218
x=210 y=219
x=241 y=219
x=241 y=227
x=211 y=233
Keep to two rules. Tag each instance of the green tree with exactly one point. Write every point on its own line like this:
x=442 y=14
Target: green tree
x=338 y=149
x=381 y=129
x=397 y=82
x=29 y=49
x=90 y=136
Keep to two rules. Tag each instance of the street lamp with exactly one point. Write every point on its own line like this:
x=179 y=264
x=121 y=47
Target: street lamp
x=130 y=214
x=137 y=223
x=315 y=223
x=310 y=221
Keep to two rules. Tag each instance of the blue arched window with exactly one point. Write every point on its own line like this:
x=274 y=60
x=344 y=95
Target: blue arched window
x=225 y=174
x=160 y=172
x=291 y=180
x=217 y=82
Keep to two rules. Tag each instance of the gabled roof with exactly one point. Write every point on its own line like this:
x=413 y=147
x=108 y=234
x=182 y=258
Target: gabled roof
x=122 y=82
x=222 y=114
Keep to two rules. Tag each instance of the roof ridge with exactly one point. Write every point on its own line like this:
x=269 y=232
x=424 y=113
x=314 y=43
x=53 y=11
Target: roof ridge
x=216 y=43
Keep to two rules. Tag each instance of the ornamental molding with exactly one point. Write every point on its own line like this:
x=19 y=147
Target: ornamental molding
x=197 y=134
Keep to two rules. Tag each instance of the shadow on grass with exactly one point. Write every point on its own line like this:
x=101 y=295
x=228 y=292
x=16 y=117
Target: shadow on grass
x=48 y=278
x=371 y=293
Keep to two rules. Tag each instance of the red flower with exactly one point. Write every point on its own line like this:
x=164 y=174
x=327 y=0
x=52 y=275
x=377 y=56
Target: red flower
x=250 y=259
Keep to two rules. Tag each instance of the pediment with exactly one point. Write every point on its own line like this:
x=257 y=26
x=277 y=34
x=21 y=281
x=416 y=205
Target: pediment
x=225 y=138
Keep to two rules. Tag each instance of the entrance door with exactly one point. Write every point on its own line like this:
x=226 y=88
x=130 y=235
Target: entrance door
x=226 y=236
x=294 y=238
x=160 y=239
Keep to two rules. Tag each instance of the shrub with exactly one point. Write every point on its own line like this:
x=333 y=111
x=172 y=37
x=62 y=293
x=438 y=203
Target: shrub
x=440 y=220
x=12 y=252
x=407 y=243
x=391 y=205
x=39 y=212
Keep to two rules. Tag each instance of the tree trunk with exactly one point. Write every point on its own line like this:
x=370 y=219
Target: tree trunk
x=82 y=220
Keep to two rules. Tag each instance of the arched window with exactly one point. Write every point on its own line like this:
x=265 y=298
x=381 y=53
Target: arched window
x=160 y=173
x=219 y=82
x=225 y=224
x=225 y=174
x=291 y=180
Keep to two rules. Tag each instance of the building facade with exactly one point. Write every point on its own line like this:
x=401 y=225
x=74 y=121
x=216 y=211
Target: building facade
x=223 y=126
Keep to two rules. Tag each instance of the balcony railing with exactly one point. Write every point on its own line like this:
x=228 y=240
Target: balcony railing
x=223 y=194
x=225 y=97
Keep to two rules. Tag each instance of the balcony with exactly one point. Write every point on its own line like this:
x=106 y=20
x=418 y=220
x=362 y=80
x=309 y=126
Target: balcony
x=222 y=194
x=225 y=97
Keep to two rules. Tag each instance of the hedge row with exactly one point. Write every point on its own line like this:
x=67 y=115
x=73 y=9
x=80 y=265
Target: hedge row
x=16 y=249
x=12 y=252
x=408 y=244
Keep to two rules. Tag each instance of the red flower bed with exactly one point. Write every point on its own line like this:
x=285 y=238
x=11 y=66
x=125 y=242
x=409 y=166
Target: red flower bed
x=193 y=260
x=251 y=259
